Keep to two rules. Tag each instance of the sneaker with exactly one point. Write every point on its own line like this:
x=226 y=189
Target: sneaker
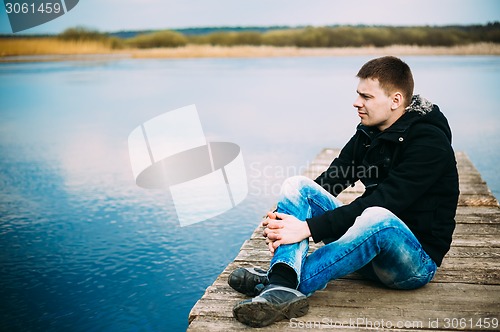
x=272 y=305
x=249 y=281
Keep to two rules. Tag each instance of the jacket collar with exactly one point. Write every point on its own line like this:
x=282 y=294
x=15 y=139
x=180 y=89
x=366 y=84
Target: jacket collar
x=419 y=105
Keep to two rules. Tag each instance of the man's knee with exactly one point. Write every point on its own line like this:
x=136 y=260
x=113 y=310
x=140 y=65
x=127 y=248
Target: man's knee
x=377 y=212
x=294 y=183
x=377 y=215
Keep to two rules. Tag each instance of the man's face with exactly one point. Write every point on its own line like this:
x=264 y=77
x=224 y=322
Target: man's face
x=374 y=106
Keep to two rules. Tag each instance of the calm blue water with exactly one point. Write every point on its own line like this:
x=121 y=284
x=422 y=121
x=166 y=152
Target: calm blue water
x=82 y=248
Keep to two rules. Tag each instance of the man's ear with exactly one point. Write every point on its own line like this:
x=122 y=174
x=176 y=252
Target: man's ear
x=397 y=100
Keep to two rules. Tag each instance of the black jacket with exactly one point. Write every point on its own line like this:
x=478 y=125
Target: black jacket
x=409 y=169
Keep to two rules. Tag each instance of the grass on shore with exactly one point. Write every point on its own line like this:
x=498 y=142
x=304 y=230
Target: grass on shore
x=52 y=46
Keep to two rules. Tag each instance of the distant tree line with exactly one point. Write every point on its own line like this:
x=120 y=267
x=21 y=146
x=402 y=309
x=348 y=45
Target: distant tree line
x=329 y=36
x=81 y=34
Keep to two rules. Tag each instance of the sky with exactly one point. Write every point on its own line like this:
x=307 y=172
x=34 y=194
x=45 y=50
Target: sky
x=116 y=15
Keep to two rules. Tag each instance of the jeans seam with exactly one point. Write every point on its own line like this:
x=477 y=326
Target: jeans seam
x=427 y=277
x=317 y=202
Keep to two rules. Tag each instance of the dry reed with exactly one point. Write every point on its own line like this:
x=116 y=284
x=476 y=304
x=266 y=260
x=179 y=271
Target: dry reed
x=52 y=46
x=49 y=46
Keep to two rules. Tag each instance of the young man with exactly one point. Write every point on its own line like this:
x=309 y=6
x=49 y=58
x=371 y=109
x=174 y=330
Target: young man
x=397 y=232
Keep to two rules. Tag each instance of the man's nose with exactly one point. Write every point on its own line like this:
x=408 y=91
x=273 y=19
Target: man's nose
x=357 y=103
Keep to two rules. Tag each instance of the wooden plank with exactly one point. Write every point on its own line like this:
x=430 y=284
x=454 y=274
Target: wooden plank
x=473 y=252
x=473 y=215
x=477 y=229
x=465 y=290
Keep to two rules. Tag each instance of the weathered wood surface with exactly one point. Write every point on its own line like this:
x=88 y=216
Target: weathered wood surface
x=464 y=295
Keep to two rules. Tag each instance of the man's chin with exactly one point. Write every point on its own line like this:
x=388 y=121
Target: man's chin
x=364 y=122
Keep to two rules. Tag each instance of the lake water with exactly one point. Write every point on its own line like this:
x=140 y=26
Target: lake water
x=82 y=248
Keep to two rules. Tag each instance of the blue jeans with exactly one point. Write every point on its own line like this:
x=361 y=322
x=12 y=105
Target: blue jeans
x=379 y=245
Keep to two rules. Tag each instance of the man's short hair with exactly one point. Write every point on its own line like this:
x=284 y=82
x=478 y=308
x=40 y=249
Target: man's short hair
x=392 y=74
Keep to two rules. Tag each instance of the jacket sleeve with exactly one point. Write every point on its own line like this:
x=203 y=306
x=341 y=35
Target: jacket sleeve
x=342 y=172
x=422 y=161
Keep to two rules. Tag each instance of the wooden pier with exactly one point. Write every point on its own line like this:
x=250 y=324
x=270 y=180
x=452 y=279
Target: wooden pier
x=464 y=295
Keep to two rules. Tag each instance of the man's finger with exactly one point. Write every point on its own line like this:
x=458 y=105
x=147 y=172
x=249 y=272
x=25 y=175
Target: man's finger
x=271 y=247
x=275 y=224
x=280 y=215
x=273 y=236
x=271 y=215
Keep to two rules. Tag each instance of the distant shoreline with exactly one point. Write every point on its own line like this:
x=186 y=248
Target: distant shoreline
x=203 y=51
x=78 y=52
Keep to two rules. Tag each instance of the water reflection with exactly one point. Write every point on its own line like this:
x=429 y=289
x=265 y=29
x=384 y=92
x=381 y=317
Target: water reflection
x=83 y=248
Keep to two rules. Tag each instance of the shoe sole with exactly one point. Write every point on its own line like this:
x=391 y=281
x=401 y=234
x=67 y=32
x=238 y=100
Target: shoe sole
x=260 y=314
